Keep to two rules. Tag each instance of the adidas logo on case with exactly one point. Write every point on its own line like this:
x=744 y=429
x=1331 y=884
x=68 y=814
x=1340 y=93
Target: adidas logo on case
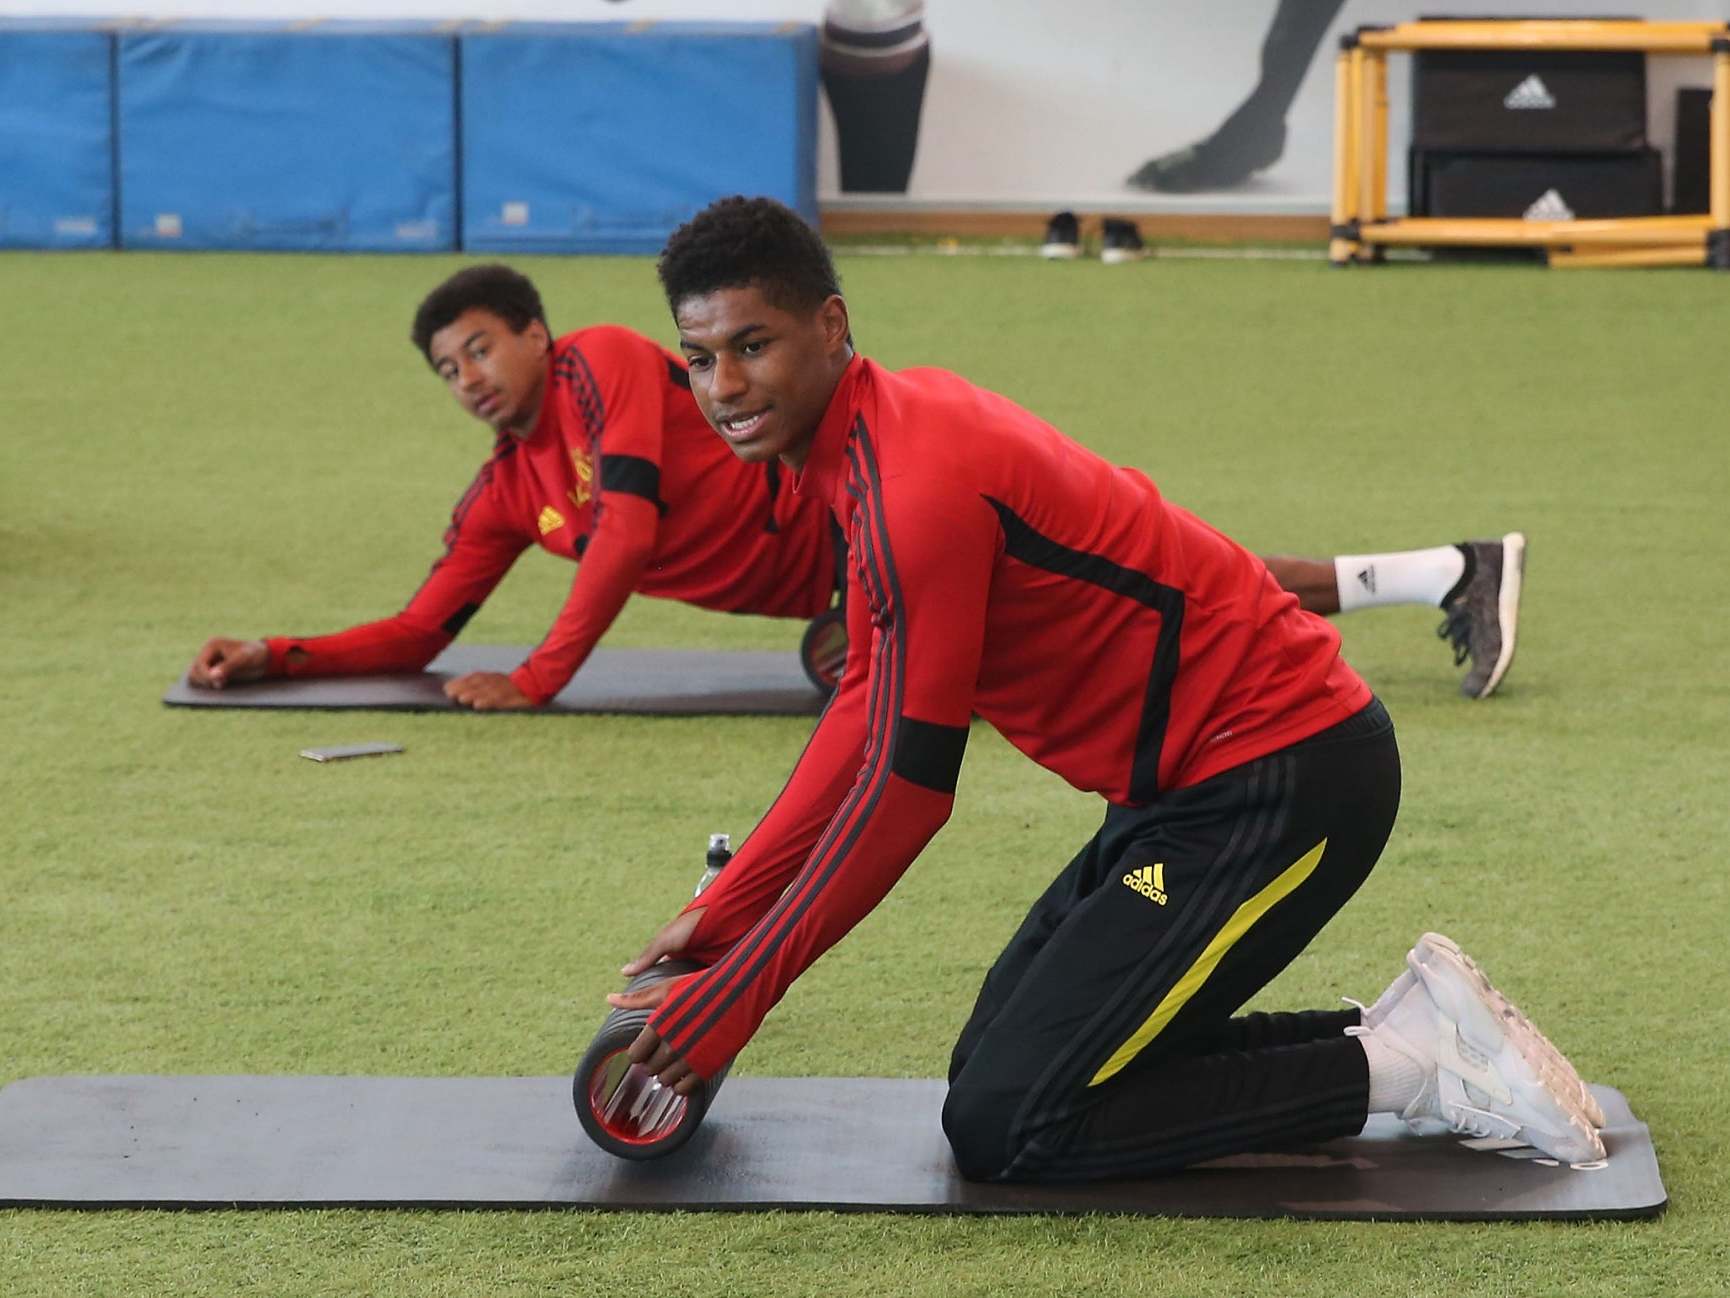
x=1550 y=207
x=1530 y=93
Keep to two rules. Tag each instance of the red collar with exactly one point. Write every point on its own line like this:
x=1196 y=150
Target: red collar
x=547 y=421
x=825 y=469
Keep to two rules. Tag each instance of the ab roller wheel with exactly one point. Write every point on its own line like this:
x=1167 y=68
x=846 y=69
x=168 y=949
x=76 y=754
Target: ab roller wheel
x=625 y=1110
x=823 y=649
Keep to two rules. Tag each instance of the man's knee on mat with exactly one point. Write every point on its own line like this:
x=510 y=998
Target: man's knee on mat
x=984 y=1135
x=977 y=1121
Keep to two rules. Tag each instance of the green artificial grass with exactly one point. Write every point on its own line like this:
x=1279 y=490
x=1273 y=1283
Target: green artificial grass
x=223 y=444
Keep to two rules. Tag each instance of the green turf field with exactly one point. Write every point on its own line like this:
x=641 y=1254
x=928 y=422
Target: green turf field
x=221 y=444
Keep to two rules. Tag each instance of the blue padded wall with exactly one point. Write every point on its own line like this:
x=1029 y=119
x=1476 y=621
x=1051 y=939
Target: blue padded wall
x=334 y=136
x=56 y=136
x=603 y=137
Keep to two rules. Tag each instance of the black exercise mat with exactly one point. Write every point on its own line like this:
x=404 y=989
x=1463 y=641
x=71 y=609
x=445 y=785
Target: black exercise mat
x=668 y=682
x=866 y=1144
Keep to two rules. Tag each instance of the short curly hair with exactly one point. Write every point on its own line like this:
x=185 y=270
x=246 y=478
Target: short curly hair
x=507 y=293
x=738 y=241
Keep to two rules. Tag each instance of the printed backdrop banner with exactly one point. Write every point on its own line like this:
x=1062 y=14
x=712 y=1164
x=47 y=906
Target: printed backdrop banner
x=1025 y=104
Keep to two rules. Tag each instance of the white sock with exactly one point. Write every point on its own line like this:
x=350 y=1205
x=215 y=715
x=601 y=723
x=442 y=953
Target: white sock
x=1408 y=577
x=1396 y=1079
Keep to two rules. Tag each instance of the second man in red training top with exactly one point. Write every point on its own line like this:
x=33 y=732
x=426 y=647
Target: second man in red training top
x=600 y=455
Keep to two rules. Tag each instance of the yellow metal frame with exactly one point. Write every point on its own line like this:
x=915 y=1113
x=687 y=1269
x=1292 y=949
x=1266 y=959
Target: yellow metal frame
x=1361 y=227
x=1576 y=258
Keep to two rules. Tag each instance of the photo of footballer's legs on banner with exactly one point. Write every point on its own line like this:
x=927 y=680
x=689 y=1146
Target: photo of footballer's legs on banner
x=1252 y=138
x=875 y=59
x=1097 y=106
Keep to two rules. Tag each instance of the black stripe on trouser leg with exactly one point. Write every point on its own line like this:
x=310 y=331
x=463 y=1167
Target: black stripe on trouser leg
x=1268 y=1028
x=1327 y=1086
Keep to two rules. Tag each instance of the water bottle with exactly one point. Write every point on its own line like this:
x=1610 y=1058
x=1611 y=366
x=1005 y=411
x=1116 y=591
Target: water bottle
x=720 y=852
x=624 y=1109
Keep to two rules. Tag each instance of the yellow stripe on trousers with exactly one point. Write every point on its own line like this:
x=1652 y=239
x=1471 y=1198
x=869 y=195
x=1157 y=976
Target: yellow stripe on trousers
x=1199 y=972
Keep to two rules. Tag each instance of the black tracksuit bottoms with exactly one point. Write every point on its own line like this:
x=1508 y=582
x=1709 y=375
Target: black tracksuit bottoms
x=1103 y=1043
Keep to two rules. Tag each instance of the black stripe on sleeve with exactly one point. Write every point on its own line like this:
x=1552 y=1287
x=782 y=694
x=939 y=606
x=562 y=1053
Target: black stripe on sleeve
x=1022 y=541
x=677 y=375
x=929 y=755
x=454 y=624
x=772 y=474
x=634 y=476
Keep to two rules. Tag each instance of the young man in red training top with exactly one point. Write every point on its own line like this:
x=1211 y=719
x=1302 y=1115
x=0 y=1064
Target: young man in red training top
x=601 y=455
x=998 y=569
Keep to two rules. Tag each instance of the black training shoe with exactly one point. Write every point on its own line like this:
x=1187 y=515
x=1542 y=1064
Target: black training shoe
x=1483 y=611
x=1121 y=243
x=1062 y=238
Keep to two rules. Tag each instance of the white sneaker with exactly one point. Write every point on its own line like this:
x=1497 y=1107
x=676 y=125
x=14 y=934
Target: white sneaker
x=1400 y=1026
x=1495 y=1075
x=1555 y=1065
x=1371 y=1017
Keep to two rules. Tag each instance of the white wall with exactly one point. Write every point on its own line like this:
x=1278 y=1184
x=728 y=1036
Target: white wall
x=1044 y=103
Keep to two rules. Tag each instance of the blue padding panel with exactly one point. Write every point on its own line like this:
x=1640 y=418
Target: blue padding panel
x=335 y=137
x=56 y=136
x=603 y=137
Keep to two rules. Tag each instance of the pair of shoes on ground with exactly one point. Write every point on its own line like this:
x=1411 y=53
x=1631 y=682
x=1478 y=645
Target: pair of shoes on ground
x=1119 y=240
x=1483 y=611
x=1488 y=1071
